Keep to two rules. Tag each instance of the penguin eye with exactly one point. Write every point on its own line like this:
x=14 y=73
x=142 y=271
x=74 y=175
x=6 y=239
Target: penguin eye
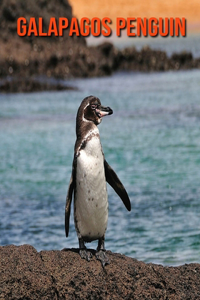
x=93 y=106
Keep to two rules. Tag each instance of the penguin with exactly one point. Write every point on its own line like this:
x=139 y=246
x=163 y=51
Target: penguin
x=90 y=171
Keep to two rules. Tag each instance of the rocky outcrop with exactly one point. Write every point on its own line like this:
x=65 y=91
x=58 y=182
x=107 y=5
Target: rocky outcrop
x=148 y=60
x=28 y=274
x=34 y=55
x=28 y=85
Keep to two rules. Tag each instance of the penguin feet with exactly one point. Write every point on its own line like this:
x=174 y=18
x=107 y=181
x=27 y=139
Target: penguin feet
x=100 y=255
x=85 y=254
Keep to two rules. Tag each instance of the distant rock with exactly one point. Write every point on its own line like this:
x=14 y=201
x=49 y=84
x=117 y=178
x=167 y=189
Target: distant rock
x=28 y=274
x=28 y=56
x=28 y=85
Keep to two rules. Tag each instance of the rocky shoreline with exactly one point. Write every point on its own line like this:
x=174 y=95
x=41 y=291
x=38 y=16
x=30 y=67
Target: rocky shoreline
x=28 y=85
x=28 y=274
x=102 y=60
x=66 y=57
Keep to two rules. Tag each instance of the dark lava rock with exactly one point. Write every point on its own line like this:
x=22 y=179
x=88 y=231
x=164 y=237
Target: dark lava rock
x=27 y=274
x=184 y=60
x=34 y=55
x=28 y=85
x=146 y=60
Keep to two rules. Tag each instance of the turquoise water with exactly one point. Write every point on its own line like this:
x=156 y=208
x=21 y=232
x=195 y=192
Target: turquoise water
x=152 y=141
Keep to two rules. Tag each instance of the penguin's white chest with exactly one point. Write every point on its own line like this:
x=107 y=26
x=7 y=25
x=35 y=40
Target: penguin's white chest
x=91 y=201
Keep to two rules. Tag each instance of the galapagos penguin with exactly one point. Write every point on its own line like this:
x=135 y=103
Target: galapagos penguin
x=90 y=171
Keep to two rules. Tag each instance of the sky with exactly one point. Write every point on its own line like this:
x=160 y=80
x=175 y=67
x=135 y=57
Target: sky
x=145 y=8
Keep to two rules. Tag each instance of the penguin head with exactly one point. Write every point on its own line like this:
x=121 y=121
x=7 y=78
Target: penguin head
x=91 y=110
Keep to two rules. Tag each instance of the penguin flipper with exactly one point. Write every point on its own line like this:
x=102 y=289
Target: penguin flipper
x=68 y=202
x=115 y=183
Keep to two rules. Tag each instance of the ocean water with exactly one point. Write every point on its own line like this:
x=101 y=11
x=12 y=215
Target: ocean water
x=152 y=141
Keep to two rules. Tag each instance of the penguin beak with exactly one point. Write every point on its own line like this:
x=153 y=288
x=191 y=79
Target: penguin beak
x=103 y=111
